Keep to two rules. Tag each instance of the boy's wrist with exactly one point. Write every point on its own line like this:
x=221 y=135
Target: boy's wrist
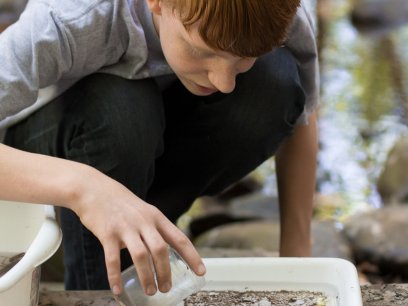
x=303 y=250
x=296 y=244
x=76 y=186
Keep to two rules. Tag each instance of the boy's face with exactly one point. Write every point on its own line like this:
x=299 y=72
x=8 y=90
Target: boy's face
x=202 y=70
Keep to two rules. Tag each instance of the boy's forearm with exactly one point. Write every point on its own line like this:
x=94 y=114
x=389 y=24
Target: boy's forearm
x=296 y=172
x=35 y=178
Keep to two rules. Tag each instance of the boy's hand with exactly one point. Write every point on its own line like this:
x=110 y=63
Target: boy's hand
x=121 y=220
x=117 y=217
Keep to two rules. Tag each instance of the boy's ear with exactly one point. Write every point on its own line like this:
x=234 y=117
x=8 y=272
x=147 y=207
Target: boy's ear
x=154 y=6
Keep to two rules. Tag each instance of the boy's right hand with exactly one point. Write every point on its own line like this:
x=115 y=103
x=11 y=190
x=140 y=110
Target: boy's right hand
x=119 y=219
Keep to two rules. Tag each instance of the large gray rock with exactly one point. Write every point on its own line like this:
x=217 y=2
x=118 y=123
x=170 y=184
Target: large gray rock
x=381 y=237
x=379 y=16
x=255 y=205
x=248 y=207
x=207 y=252
x=327 y=241
x=393 y=180
x=250 y=235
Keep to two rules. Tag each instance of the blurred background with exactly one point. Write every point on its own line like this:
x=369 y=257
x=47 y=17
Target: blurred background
x=362 y=180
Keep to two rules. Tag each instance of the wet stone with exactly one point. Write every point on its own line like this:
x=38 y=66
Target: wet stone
x=379 y=16
x=327 y=241
x=392 y=183
x=381 y=237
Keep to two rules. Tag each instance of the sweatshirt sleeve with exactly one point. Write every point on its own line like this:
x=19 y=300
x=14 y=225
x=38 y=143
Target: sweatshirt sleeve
x=44 y=46
x=34 y=53
x=302 y=43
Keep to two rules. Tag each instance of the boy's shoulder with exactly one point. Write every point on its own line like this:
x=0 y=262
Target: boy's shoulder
x=73 y=9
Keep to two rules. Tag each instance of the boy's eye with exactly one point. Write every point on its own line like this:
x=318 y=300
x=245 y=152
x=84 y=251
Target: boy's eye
x=198 y=53
x=195 y=52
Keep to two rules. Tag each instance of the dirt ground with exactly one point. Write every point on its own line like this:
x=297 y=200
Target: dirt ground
x=385 y=295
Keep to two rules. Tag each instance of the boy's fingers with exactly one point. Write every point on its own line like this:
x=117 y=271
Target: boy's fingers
x=159 y=251
x=144 y=266
x=193 y=259
x=182 y=244
x=112 y=260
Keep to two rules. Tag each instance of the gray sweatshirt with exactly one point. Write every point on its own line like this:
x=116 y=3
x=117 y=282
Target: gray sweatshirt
x=57 y=42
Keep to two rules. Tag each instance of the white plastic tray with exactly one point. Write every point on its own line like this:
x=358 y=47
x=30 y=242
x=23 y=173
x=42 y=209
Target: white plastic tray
x=336 y=278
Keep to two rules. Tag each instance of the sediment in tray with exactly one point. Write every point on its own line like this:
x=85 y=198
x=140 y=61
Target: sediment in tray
x=256 y=298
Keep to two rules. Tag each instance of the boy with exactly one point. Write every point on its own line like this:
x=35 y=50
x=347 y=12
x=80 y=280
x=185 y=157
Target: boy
x=124 y=112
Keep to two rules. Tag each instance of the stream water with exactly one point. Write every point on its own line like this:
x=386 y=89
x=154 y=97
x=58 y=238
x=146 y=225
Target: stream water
x=363 y=103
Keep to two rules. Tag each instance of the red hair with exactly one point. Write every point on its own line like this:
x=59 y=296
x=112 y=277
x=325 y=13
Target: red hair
x=246 y=28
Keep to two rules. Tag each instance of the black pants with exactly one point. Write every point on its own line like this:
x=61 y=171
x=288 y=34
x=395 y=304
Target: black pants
x=167 y=147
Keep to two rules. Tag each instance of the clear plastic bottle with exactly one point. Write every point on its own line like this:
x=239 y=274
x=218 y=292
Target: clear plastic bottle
x=184 y=283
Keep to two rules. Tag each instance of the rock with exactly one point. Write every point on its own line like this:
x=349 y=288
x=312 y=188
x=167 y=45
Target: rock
x=247 y=185
x=242 y=235
x=251 y=222
x=330 y=206
x=327 y=241
x=381 y=295
x=220 y=204
x=207 y=252
x=380 y=236
x=256 y=205
x=392 y=184
x=249 y=207
x=200 y=225
x=378 y=17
